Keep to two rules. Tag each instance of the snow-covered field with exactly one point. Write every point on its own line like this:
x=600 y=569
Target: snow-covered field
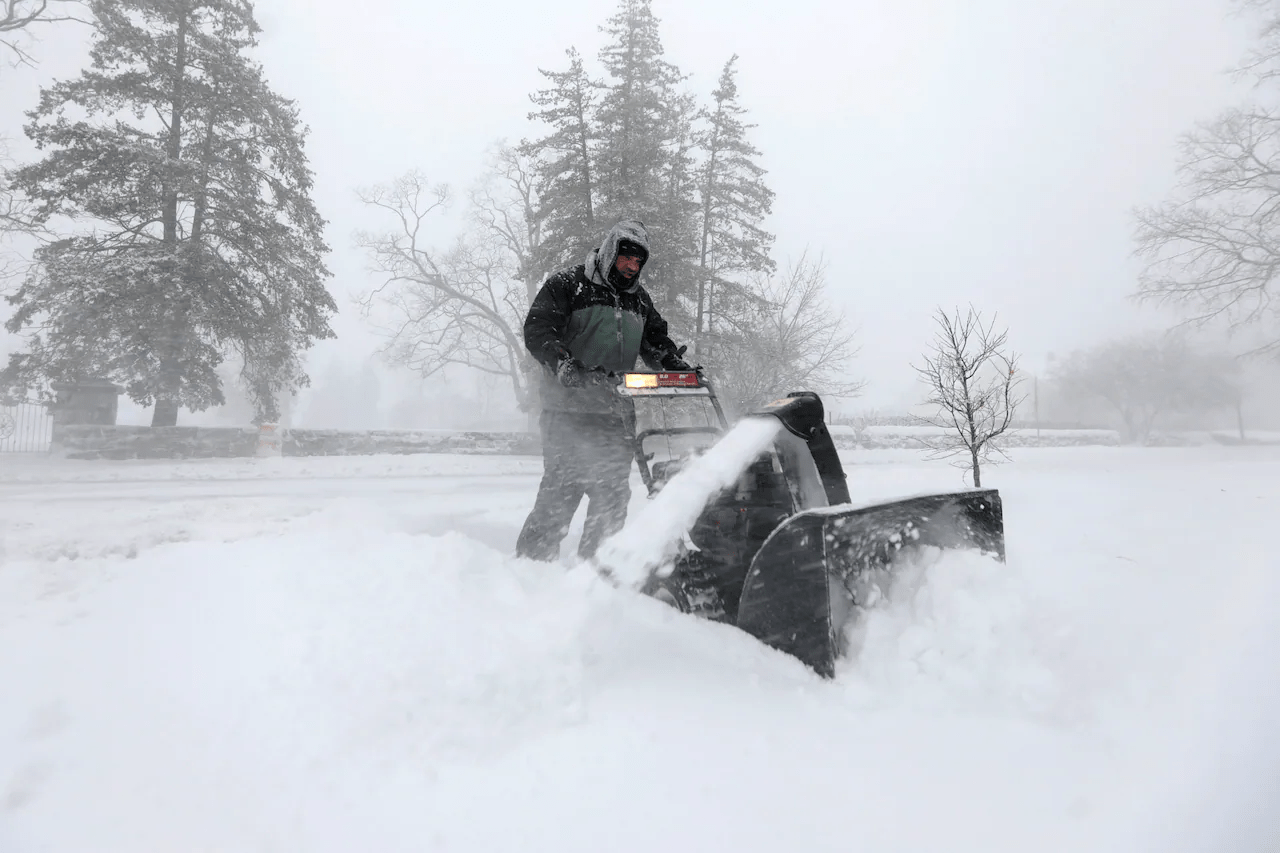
x=342 y=655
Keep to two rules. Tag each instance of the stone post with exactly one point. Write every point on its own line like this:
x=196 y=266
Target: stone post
x=92 y=402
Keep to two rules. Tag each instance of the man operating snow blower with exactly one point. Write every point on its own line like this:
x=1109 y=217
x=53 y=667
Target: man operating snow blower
x=587 y=325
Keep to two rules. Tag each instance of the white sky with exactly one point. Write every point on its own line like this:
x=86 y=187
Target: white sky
x=936 y=151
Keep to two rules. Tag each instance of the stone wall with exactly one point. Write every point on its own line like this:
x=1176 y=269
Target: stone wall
x=332 y=442
x=84 y=441
x=922 y=438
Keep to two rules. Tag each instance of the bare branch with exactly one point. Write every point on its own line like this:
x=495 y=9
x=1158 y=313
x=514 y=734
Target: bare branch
x=972 y=380
x=781 y=335
x=439 y=308
x=18 y=16
x=1213 y=248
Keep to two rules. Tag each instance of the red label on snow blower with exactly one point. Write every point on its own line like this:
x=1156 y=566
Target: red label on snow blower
x=678 y=380
x=683 y=379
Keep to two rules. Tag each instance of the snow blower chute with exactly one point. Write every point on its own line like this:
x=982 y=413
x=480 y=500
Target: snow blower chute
x=781 y=553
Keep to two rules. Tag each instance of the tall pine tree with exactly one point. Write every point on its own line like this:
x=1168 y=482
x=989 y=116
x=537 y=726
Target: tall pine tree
x=203 y=240
x=565 y=170
x=734 y=201
x=644 y=129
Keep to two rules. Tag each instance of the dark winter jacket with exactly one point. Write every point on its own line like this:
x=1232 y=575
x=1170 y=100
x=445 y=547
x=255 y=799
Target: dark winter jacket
x=599 y=319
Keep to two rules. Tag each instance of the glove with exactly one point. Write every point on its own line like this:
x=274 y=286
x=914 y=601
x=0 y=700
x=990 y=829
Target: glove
x=602 y=377
x=673 y=361
x=571 y=372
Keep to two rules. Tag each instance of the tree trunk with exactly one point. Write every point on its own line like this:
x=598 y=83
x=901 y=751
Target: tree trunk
x=977 y=472
x=702 y=251
x=170 y=380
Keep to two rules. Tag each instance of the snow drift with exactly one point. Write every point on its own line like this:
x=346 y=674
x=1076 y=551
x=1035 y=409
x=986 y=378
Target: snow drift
x=342 y=675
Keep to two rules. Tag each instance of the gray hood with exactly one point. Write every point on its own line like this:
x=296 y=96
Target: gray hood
x=601 y=260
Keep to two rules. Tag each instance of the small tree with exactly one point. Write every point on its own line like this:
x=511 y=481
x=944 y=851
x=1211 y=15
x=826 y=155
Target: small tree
x=463 y=306
x=972 y=380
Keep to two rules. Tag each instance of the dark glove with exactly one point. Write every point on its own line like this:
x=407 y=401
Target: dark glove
x=673 y=361
x=571 y=372
x=602 y=377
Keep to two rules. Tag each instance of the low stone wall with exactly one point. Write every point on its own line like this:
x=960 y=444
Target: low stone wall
x=876 y=440
x=332 y=442
x=85 y=441
x=139 y=442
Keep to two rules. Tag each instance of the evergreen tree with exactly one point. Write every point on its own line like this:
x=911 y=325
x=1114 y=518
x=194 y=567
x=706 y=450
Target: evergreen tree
x=204 y=238
x=565 y=171
x=734 y=201
x=642 y=121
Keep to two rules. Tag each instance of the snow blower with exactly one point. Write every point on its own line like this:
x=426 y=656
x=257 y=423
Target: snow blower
x=783 y=552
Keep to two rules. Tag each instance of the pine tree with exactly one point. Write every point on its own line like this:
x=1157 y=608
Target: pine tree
x=204 y=240
x=642 y=121
x=734 y=201
x=565 y=171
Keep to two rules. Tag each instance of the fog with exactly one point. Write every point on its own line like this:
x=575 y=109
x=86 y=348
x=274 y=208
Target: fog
x=935 y=153
x=363 y=622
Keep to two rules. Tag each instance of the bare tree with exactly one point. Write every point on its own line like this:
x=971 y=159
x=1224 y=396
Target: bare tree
x=461 y=306
x=506 y=205
x=16 y=218
x=1212 y=249
x=782 y=335
x=1142 y=379
x=18 y=16
x=972 y=379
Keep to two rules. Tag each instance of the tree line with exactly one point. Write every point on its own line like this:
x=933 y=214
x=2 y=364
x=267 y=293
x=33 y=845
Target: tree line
x=179 y=238
x=626 y=140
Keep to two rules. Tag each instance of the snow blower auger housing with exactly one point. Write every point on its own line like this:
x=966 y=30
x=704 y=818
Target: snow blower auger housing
x=782 y=553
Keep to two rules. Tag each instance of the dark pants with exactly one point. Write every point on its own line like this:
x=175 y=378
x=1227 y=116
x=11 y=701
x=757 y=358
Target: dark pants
x=582 y=454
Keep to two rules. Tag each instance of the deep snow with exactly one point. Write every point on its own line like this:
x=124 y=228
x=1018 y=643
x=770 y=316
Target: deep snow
x=341 y=655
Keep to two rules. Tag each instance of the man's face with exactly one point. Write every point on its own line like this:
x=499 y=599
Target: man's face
x=628 y=265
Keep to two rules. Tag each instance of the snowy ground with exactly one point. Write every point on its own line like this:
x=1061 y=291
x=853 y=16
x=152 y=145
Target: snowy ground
x=341 y=655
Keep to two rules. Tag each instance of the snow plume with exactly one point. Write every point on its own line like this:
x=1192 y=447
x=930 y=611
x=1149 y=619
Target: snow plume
x=951 y=629
x=652 y=534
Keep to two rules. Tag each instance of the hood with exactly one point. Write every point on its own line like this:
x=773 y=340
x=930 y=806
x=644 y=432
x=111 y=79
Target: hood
x=601 y=260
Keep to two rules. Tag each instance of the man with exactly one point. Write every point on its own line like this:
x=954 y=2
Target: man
x=587 y=323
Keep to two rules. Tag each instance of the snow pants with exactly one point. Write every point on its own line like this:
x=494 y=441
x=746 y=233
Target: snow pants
x=582 y=454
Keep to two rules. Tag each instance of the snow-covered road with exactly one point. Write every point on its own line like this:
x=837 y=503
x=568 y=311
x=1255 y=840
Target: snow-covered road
x=342 y=655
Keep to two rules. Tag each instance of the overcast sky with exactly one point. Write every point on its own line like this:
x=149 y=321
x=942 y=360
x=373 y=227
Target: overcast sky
x=935 y=151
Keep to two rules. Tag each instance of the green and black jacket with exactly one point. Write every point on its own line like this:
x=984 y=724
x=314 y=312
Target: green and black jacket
x=582 y=312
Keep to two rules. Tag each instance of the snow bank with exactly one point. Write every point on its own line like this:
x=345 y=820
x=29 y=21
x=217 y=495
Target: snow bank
x=44 y=469
x=212 y=684
x=353 y=672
